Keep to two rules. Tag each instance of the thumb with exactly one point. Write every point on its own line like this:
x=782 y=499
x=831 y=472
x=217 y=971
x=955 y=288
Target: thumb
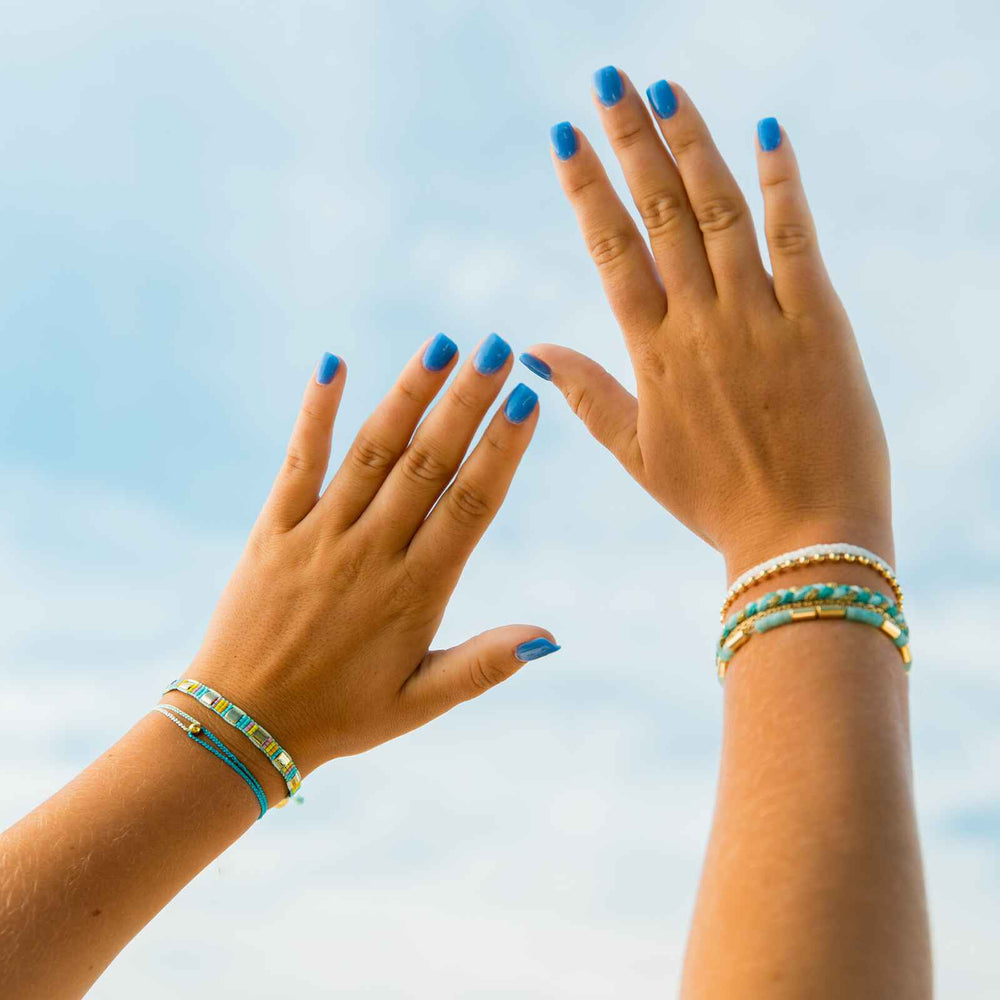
x=608 y=409
x=449 y=676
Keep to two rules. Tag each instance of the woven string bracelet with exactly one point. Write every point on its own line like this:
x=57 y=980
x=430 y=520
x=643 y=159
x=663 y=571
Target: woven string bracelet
x=834 y=552
x=281 y=759
x=831 y=592
x=194 y=730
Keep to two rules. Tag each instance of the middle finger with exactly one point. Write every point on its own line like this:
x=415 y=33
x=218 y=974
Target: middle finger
x=656 y=186
x=439 y=445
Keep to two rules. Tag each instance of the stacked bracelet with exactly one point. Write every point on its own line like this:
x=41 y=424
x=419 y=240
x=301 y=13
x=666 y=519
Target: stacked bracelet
x=195 y=731
x=833 y=552
x=809 y=603
x=280 y=758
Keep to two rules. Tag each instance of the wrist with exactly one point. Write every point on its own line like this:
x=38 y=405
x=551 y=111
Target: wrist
x=764 y=543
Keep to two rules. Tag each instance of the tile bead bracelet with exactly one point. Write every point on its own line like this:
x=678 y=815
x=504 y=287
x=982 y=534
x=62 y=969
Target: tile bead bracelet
x=195 y=731
x=281 y=759
x=834 y=552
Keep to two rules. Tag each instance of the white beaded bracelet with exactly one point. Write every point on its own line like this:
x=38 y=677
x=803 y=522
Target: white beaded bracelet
x=812 y=554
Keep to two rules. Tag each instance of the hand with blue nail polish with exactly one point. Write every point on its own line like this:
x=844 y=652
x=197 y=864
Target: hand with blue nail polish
x=378 y=554
x=727 y=357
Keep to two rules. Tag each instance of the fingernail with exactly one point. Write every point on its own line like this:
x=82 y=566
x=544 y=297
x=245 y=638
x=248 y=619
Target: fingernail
x=662 y=98
x=608 y=86
x=536 y=365
x=564 y=141
x=439 y=352
x=769 y=134
x=327 y=368
x=492 y=354
x=535 y=649
x=520 y=403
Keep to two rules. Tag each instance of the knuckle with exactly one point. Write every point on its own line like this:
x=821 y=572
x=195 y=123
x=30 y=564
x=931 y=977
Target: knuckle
x=469 y=502
x=790 y=239
x=607 y=248
x=719 y=215
x=466 y=399
x=581 y=402
x=485 y=674
x=410 y=392
x=422 y=464
x=660 y=211
x=296 y=461
x=683 y=142
x=312 y=414
x=577 y=187
x=372 y=455
x=627 y=135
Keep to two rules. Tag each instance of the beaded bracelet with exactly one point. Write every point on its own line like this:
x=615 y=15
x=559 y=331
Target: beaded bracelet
x=764 y=621
x=829 y=592
x=193 y=729
x=280 y=758
x=835 y=552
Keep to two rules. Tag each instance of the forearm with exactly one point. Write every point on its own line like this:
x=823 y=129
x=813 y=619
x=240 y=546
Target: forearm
x=87 y=869
x=812 y=882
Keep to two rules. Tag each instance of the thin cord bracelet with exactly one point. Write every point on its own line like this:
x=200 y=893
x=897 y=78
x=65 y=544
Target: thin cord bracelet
x=280 y=758
x=834 y=552
x=193 y=729
x=831 y=592
x=767 y=620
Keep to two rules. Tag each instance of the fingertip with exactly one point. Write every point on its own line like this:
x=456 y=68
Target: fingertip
x=521 y=404
x=769 y=135
x=536 y=648
x=536 y=365
x=327 y=369
x=439 y=352
x=565 y=140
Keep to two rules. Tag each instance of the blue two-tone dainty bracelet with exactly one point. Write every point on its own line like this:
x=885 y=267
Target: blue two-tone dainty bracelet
x=194 y=730
x=280 y=758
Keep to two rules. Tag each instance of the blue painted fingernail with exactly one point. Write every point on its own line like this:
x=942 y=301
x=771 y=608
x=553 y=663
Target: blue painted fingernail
x=662 y=98
x=492 y=354
x=439 y=352
x=520 y=403
x=536 y=365
x=769 y=134
x=608 y=86
x=564 y=141
x=535 y=649
x=327 y=368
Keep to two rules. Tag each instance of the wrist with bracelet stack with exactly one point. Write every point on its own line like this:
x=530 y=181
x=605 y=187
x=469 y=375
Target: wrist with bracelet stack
x=814 y=601
x=278 y=757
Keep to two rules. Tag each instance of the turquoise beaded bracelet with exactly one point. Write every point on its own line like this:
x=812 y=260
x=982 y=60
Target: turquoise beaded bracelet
x=786 y=607
x=280 y=758
x=836 y=592
x=193 y=729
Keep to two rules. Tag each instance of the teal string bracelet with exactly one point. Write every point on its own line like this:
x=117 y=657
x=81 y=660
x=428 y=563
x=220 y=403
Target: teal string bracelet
x=833 y=592
x=194 y=730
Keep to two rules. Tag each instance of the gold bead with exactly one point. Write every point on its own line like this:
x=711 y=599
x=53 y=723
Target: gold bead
x=195 y=727
x=891 y=629
x=736 y=640
x=803 y=614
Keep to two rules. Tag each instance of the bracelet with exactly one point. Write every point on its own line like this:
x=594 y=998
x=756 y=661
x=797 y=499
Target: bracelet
x=765 y=620
x=829 y=592
x=279 y=757
x=832 y=552
x=194 y=730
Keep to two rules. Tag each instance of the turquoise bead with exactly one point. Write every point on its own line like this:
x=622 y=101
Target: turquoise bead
x=773 y=621
x=865 y=615
x=725 y=654
x=824 y=591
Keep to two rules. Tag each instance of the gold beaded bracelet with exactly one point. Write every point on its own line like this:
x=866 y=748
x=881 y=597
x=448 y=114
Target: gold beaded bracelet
x=782 y=565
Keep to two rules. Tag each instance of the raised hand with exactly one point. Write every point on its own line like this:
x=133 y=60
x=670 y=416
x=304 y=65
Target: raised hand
x=753 y=423
x=323 y=631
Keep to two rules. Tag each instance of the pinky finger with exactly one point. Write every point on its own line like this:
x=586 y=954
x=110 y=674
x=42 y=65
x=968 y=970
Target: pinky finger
x=296 y=488
x=800 y=276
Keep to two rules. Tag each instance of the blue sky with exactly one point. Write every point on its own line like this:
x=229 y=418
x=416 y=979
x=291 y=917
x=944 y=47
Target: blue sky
x=197 y=199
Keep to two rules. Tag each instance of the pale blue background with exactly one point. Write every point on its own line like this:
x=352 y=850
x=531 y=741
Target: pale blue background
x=196 y=199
